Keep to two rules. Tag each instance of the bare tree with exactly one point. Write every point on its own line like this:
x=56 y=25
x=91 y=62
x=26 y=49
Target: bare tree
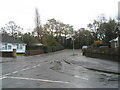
x=12 y=29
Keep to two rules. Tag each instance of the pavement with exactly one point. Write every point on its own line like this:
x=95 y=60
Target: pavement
x=96 y=64
x=58 y=70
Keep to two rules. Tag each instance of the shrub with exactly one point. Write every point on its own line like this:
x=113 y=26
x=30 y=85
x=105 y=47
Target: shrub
x=48 y=49
x=54 y=48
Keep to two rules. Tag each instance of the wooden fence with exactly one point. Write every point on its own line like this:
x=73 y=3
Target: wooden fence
x=34 y=52
x=103 y=53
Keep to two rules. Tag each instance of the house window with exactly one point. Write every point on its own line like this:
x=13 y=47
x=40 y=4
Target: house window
x=17 y=46
x=9 y=47
x=5 y=46
x=20 y=46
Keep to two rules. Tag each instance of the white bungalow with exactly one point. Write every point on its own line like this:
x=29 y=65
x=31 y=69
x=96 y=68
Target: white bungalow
x=9 y=43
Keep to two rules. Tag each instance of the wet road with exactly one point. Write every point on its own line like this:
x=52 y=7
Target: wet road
x=58 y=70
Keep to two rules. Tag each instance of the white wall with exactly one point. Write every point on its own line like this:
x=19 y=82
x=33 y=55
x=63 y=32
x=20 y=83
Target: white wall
x=20 y=48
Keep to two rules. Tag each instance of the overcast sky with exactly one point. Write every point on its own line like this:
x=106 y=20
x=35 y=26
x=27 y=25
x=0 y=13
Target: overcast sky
x=74 y=12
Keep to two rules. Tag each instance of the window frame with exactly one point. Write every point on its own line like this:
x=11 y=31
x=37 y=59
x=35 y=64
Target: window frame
x=6 y=46
x=21 y=47
x=17 y=46
x=9 y=47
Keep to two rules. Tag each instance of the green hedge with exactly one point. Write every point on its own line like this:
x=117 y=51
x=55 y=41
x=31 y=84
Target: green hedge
x=48 y=49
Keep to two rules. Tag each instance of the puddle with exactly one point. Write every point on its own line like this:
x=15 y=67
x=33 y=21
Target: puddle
x=104 y=77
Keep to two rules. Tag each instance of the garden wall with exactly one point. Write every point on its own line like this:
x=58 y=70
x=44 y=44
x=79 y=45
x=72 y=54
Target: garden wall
x=8 y=54
x=103 y=53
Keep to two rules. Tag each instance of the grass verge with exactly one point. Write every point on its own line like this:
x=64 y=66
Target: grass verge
x=20 y=54
x=74 y=55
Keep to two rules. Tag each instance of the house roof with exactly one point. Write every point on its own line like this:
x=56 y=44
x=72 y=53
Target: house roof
x=9 y=39
x=114 y=40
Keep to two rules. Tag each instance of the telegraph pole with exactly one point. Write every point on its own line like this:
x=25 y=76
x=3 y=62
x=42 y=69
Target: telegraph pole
x=72 y=36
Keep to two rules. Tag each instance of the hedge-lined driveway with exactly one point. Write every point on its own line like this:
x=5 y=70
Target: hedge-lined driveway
x=57 y=70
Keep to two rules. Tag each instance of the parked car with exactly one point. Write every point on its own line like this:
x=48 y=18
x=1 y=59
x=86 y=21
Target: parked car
x=84 y=47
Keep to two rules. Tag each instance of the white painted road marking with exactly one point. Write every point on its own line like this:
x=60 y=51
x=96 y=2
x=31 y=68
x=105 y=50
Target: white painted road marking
x=7 y=74
x=44 y=80
x=2 y=77
x=15 y=72
x=27 y=68
x=80 y=77
x=22 y=70
x=34 y=66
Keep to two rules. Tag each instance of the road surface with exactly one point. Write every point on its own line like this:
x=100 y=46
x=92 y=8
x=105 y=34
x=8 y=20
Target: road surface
x=58 y=70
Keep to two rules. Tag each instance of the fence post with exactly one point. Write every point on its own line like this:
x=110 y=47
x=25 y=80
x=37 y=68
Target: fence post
x=14 y=53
